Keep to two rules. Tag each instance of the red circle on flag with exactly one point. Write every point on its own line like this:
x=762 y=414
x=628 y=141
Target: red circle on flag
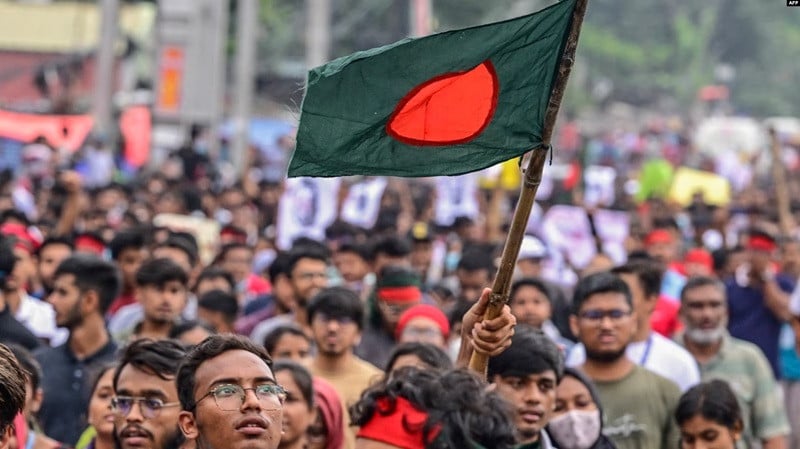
x=448 y=109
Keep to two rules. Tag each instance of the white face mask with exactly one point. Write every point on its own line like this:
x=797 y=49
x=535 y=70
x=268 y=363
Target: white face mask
x=577 y=429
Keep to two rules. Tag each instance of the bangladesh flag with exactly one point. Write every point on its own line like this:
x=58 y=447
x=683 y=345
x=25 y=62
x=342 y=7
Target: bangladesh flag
x=445 y=104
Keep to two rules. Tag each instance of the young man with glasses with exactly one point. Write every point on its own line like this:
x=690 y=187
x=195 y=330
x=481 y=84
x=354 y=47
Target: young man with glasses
x=146 y=403
x=638 y=404
x=228 y=395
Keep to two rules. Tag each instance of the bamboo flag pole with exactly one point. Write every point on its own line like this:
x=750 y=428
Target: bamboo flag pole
x=530 y=184
x=786 y=223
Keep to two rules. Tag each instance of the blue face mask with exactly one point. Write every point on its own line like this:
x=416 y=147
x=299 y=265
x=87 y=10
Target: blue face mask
x=451 y=261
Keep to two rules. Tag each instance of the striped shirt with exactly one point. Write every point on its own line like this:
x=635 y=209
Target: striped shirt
x=745 y=368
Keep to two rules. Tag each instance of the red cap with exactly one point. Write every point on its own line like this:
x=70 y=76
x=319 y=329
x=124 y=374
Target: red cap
x=23 y=238
x=398 y=423
x=425 y=311
x=658 y=236
x=701 y=257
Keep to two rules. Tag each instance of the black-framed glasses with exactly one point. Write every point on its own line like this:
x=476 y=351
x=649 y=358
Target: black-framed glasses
x=150 y=407
x=596 y=316
x=230 y=397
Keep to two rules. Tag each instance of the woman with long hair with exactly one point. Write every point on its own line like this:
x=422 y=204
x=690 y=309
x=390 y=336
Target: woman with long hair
x=100 y=434
x=298 y=409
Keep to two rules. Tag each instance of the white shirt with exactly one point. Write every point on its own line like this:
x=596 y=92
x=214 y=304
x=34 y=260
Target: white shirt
x=40 y=318
x=658 y=354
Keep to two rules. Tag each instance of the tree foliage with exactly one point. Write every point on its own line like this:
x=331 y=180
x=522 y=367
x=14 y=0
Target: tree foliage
x=650 y=52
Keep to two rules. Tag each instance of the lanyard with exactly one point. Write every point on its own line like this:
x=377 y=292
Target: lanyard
x=646 y=350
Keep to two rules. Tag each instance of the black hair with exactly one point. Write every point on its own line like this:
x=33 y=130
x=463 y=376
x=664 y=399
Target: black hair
x=223 y=253
x=213 y=272
x=220 y=301
x=127 y=239
x=648 y=271
x=56 y=240
x=299 y=252
x=92 y=273
x=12 y=388
x=456 y=314
x=603 y=282
x=301 y=377
x=536 y=283
x=354 y=248
x=531 y=352
x=337 y=302
x=279 y=266
x=178 y=329
x=429 y=354
x=701 y=281
x=391 y=245
x=715 y=401
x=159 y=358
x=309 y=244
x=98 y=372
x=474 y=259
x=274 y=336
x=28 y=363
x=182 y=243
x=210 y=348
x=157 y=272
x=461 y=412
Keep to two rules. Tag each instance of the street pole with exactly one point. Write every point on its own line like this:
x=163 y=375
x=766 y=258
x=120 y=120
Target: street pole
x=318 y=32
x=246 y=38
x=420 y=13
x=102 y=104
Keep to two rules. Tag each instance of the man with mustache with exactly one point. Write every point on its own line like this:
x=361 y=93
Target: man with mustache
x=638 y=403
x=146 y=397
x=526 y=375
x=228 y=395
x=704 y=311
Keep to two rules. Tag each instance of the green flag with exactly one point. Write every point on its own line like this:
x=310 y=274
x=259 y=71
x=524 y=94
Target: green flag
x=445 y=104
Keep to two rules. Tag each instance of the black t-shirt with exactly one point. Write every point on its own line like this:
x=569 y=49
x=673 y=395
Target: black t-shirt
x=65 y=381
x=12 y=331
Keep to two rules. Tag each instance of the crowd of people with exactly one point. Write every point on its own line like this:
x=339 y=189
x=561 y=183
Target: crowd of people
x=144 y=313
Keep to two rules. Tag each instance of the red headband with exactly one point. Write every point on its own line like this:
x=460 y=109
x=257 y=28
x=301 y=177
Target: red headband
x=407 y=294
x=760 y=243
x=89 y=243
x=401 y=425
x=699 y=256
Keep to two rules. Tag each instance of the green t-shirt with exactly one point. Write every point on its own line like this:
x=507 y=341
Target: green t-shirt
x=638 y=410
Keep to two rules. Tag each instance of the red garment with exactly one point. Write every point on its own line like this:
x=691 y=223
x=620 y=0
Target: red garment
x=330 y=406
x=121 y=301
x=256 y=285
x=664 y=319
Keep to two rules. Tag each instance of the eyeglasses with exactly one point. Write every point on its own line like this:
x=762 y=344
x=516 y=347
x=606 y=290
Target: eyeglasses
x=230 y=397
x=150 y=407
x=595 y=316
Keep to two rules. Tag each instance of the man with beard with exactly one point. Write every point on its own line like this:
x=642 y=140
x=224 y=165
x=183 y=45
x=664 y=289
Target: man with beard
x=704 y=312
x=649 y=349
x=307 y=273
x=84 y=287
x=602 y=319
x=145 y=402
x=161 y=289
x=336 y=317
x=228 y=395
x=526 y=375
